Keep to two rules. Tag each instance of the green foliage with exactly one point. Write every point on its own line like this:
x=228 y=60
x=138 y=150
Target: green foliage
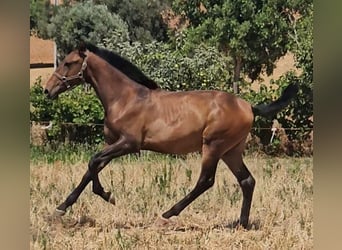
x=222 y=36
x=302 y=44
x=40 y=106
x=299 y=114
x=296 y=117
x=88 y=22
x=301 y=110
x=40 y=13
x=79 y=107
x=254 y=33
x=205 y=68
x=70 y=153
x=36 y=7
x=143 y=18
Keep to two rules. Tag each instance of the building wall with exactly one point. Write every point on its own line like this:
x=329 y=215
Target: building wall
x=41 y=59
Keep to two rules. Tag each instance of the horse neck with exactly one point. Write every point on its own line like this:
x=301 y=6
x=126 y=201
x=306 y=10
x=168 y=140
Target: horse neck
x=110 y=85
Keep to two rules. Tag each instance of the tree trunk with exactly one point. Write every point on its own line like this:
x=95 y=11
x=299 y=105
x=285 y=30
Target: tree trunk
x=237 y=70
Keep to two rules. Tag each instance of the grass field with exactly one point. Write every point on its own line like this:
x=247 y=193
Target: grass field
x=145 y=186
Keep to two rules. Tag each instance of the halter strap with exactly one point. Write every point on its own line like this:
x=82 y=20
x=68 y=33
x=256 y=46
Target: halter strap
x=66 y=79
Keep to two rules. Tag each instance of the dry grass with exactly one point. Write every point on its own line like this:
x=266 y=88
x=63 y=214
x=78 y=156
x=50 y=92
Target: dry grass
x=281 y=215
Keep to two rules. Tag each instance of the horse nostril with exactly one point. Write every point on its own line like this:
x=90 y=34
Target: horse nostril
x=46 y=91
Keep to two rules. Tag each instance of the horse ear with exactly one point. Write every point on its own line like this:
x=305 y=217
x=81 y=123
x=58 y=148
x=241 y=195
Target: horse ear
x=82 y=47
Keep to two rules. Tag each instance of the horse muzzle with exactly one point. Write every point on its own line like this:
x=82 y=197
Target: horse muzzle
x=49 y=94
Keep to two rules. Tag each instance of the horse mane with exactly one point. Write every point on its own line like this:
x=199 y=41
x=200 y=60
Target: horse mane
x=125 y=66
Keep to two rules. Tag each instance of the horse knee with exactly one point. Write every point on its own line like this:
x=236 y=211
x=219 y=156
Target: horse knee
x=93 y=163
x=206 y=183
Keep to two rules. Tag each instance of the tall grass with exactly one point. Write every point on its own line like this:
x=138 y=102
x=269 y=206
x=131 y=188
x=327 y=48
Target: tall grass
x=149 y=184
x=66 y=153
x=72 y=153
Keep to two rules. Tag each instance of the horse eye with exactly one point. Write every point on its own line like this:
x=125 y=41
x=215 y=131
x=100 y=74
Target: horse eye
x=67 y=64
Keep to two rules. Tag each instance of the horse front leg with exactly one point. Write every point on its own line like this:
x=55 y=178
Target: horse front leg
x=121 y=147
x=73 y=196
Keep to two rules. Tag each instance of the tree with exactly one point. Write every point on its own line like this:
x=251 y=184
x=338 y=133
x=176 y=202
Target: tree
x=88 y=22
x=298 y=116
x=302 y=47
x=144 y=18
x=40 y=13
x=254 y=33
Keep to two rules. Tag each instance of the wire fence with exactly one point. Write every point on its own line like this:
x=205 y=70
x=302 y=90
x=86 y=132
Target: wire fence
x=49 y=124
x=277 y=133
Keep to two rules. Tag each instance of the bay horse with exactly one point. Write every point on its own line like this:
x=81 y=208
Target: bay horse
x=141 y=116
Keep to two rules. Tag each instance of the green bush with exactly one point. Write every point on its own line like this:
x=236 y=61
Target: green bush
x=189 y=60
x=204 y=68
x=40 y=13
x=143 y=17
x=76 y=115
x=88 y=22
x=175 y=69
x=296 y=118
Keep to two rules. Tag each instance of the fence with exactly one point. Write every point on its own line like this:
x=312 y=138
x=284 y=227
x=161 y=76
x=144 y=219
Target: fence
x=275 y=141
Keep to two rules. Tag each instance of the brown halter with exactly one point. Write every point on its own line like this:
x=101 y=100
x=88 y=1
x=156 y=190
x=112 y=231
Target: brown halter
x=67 y=79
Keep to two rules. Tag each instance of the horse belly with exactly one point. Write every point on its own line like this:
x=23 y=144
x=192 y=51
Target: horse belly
x=175 y=142
x=176 y=129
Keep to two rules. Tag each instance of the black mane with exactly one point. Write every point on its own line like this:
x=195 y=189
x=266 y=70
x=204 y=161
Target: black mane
x=124 y=66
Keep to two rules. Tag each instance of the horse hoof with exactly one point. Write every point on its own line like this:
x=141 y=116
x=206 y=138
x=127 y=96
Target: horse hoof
x=111 y=199
x=59 y=212
x=162 y=222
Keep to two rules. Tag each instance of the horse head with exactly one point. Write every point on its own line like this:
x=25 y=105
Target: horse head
x=68 y=74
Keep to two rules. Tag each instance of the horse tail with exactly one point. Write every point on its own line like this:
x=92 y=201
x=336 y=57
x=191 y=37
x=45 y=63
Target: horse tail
x=269 y=110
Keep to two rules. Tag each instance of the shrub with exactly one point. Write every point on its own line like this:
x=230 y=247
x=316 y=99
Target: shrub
x=76 y=115
x=88 y=22
x=296 y=118
x=174 y=69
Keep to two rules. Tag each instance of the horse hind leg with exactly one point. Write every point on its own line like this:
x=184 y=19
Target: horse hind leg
x=205 y=181
x=233 y=159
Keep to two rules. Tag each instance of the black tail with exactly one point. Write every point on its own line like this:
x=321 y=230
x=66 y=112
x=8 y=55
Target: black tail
x=269 y=110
